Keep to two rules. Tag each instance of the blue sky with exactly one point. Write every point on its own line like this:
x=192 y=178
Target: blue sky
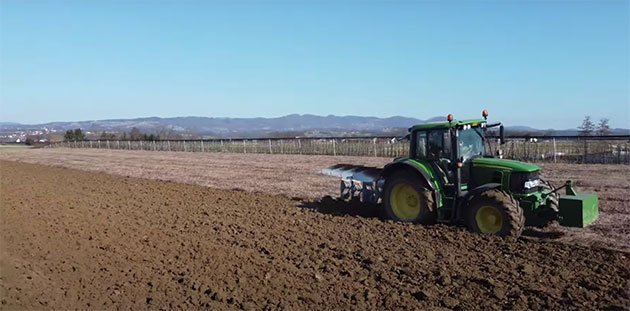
x=544 y=64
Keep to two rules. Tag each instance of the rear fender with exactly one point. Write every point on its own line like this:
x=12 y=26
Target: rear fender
x=394 y=167
x=419 y=168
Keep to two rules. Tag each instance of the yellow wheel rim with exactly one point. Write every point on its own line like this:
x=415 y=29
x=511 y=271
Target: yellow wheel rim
x=405 y=202
x=489 y=219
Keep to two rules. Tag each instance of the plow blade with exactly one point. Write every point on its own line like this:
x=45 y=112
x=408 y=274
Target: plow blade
x=354 y=172
x=579 y=210
x=357 y=181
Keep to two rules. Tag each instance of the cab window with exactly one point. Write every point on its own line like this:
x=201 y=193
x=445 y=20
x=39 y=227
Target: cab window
x=421 y=145
x=439 y=145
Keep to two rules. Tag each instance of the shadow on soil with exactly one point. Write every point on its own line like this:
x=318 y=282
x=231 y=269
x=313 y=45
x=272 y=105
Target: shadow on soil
x=540 y=233
x=337 y=207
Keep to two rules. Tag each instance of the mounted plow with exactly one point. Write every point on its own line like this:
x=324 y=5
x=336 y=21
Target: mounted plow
x=358 y=181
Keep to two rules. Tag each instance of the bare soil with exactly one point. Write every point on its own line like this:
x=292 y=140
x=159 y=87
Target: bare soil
x=298 y=177
x=76 y=239
x=291 y=175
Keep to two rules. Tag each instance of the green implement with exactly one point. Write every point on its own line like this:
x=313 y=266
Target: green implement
x=578 y=210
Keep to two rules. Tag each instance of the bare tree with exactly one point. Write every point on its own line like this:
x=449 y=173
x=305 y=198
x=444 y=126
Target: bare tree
x=603 y=128
x=135 y=134
x=587 y=127
x=107 y=136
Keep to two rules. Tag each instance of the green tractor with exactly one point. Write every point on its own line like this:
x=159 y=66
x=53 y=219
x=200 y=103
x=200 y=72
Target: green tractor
x=451 y=176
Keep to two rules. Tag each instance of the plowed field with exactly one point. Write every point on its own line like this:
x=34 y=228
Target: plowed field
x=298 y=177
x=77 y=239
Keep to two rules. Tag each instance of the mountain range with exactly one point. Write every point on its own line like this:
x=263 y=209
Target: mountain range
x=289 y=125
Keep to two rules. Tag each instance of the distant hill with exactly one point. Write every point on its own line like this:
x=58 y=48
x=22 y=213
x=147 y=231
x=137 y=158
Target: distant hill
x=525 y=130
x=5 y=124
x=289 y=125
x=236 y=127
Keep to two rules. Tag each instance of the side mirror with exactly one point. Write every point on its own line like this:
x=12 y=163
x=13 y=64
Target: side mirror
x=502 y=134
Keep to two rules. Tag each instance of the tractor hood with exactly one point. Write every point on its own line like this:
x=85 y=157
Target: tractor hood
x=502 y=164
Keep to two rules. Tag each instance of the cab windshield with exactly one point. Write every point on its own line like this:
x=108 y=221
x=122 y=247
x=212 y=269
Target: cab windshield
x=471 y=143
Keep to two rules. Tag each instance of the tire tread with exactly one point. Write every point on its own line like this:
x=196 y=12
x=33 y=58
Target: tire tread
x=514 y=213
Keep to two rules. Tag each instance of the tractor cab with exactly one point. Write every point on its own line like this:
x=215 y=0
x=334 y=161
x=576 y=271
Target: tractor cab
x=452 y=145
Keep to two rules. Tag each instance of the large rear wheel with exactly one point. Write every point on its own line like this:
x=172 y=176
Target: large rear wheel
x=406 y=199
x=495 y=212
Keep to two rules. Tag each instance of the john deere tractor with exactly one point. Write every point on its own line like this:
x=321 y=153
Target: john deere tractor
x=452 y=176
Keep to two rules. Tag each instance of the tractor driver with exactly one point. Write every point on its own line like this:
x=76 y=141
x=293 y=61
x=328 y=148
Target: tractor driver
x=439 y=147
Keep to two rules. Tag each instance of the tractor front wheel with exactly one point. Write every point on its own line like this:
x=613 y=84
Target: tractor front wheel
x=495 y=212
x=406 y=199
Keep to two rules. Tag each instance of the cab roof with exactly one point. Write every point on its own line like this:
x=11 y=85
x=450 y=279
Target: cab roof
x=445 y=124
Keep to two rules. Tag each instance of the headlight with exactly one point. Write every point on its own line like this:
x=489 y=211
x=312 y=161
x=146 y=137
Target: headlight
x=532 y=183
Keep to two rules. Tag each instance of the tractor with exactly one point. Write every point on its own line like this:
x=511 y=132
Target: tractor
x=452 y=176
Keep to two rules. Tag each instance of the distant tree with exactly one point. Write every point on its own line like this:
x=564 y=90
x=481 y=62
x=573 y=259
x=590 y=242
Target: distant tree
x=603 y=128
x=587 y=127
x=107 y=136
x=69 y=136
x=167 y=133
x=29 y=141
x=124 y=136
x=162 y=132
x=74 y=135
x=78 y=135
x=148 y=137
x=135 y=134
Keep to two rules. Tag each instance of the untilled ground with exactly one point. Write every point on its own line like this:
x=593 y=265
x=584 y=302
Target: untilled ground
x=299 y=177
x=76 y=239
x=291 y=175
